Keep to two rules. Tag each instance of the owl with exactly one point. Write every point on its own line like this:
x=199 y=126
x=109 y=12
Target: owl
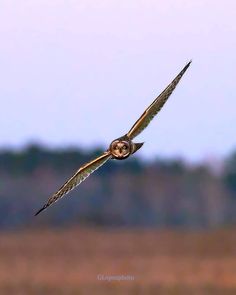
x=120 y=148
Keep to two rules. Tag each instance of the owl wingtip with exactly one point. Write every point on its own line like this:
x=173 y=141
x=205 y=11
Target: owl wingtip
x=40 y=210
x=186 y=67
x=189 y=63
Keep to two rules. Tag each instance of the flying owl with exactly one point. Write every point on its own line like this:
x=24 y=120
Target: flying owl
x=120 y=148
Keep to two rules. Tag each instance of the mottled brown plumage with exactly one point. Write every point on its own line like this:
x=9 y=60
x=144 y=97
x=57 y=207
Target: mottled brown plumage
x=77 y=178
x=155 y=107
x=121 y=148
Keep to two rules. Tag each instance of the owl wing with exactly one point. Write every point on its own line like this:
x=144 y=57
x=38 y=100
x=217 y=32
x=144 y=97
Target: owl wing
x=155 y=107
x=77 y=178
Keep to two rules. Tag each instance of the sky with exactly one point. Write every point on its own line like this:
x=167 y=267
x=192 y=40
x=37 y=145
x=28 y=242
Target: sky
x=80 y=73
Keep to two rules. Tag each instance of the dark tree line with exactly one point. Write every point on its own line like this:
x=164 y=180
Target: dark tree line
x=130 y=193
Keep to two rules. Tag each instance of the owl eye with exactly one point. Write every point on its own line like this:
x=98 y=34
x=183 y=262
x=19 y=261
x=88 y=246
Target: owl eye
x=116 y=147
x=124 y=147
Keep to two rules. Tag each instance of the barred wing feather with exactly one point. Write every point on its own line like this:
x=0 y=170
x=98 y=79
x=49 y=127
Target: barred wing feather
x=155 y=107
x=76 y=179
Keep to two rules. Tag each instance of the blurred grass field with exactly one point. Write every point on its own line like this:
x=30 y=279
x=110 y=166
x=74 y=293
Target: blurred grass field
x=68 y=261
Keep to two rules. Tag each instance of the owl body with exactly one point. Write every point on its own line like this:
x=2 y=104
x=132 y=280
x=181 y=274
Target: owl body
x=122 y=147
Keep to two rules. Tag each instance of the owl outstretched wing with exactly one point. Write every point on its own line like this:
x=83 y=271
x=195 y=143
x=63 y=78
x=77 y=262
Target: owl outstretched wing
x=155 y=107
x=76 y=179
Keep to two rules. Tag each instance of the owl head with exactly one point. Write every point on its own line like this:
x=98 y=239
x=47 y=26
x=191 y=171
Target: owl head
x=120 y=149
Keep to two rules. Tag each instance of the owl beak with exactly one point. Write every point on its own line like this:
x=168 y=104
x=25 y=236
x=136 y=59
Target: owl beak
x=137 y=146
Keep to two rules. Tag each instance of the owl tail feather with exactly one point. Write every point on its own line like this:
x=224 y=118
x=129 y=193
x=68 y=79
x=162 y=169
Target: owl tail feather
x=137 y=146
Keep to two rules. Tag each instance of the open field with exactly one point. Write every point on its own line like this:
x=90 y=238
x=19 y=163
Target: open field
x=68 y=261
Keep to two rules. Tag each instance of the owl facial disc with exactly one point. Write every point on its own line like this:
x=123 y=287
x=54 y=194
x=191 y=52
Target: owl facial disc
x=120 y=149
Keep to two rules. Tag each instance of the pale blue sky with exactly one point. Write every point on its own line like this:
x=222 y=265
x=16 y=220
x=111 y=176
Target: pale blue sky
x=81 y=72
